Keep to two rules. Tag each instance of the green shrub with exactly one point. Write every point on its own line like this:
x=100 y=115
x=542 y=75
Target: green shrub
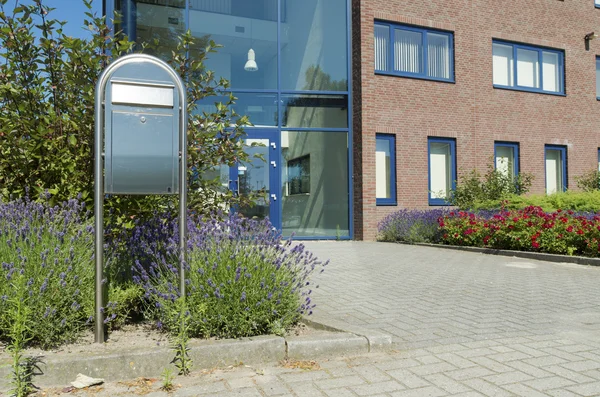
x=589 y=181
x=46 y=255
x=47 y=88
x=473 y=188
x=242 y=280
x=569 y=200
x=411 y=226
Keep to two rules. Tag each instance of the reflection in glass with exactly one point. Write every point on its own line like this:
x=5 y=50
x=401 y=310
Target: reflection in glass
x=261 y=109
x=314 y=45
x=239 y=26
x=315 y=111
x=156 y=23
x=253 y=176
x=322 y=208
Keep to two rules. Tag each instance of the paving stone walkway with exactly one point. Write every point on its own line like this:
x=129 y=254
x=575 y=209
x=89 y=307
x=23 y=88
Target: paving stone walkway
x=462 y=324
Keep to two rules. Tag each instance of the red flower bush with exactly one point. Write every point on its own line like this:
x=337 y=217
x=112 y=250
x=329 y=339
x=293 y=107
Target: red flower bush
x=529 y=229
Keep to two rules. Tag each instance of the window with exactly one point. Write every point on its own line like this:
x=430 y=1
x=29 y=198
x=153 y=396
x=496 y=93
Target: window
x=442 y=169
x=598 y=159
x=506 y=156
x=298 y=171
x=597 y=3
x=414 y=52
x=535 y=69
x=556 y=169
x=385 y=169
x=598 y=78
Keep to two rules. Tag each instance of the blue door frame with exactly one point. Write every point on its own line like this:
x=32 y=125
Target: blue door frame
x=273 y=159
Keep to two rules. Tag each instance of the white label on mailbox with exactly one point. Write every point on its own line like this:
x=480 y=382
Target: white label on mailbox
x=135 y=94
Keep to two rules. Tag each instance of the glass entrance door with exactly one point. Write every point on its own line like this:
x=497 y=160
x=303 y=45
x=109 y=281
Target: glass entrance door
x=259 y=174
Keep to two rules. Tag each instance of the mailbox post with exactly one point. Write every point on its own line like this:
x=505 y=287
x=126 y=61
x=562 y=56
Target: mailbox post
x=140 y=146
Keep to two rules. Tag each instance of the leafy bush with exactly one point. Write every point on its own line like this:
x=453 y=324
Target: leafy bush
x=47 y=86
x=576 y=201
x=589 y=181
x=411 y=226
x=46 y=254
x=242 y=279
x=473 y=188
x=528 y=229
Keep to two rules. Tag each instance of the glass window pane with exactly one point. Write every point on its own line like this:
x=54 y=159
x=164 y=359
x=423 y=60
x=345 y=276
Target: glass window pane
x=315 y=111
x=261 y=109
x=239 y=26
x=503 y=64
x=550 y=71
x=598 y=77
x=158 y=25
x=440 y=166
x=528 y=69
x=438 y=55
x=324 y=210
x=505 y=160
x=383 y=168
x=554 y=171
x=382 y=38
x=313 y=45
x=408 y=51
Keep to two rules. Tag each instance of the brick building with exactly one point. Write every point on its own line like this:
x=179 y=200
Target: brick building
x=369 y=106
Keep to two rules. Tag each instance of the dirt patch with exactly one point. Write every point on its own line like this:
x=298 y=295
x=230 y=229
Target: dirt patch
x=130 y=337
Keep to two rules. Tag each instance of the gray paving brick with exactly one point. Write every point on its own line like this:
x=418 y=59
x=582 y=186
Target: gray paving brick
x=447 y=384
x=468 y=373
x=580 y=366
x=408 y=378
x=339 y=382
x=568 y=374
x=587 y=389
x=371 y=373
x=432 y=368
x=524 y=391
x=304 y=389
x=553 y=382
x=456 y=360
x=486 y=388
x=507 y=378
x=421 y=392
x=491 y=364
x=561 y=393
x=372 y=389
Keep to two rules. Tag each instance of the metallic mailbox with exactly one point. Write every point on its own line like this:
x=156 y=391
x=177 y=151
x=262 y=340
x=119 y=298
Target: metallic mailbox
x=141 y=142
x=140 y=147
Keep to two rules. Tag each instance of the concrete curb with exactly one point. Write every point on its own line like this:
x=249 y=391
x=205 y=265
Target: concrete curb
x=328 y=341
x=376 y=340
x=540 y=256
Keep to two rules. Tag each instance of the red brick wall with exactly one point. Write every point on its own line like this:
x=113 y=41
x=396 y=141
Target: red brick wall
x=470 y=109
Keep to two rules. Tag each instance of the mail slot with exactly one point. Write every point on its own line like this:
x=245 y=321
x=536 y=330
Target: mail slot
x=141 y=133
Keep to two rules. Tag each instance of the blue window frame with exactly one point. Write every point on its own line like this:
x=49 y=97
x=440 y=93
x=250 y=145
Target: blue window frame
x=506 y=158
x=556 y=168
x=528 y=68
x=385 y=169
x=442 y=169
x=414 y=52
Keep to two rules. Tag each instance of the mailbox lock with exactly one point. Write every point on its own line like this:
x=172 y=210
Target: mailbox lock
x=143 y=119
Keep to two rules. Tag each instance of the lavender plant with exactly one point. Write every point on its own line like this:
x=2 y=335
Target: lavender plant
x=46 y=257
x=411 y=226
x=242 y=280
